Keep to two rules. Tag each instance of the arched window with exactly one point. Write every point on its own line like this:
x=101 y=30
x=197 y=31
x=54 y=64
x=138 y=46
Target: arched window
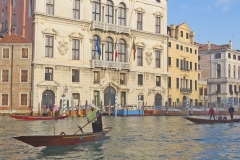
x=218 y=71
x=109 y=49
x=122 y=51
x=96 y=10
x=109 y=12
x=122 y=14
x=229 y=71
x=95 y=54
x=234 y=71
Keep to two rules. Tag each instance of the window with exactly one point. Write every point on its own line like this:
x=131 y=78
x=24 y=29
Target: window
x=186 y=49
x=23 y=99
x=139 y=21
x=234 y=71
x=95 y=54
x=229 y=71
x=177 y=62
x=229 y=55
x=181 y=47
x=190 y=50
x=5 y=53
x=238 y=57
x=190 y=65
x=187 y=35
x=5 y=75
x=49 y=46
x=234 y=56
x=30 y=11
x=122 y=78
x=177 y=46
x=75 y=75
x=24 y=75
x=122 y=51
x=199 y=67
x=109 y=12
x=195 y=66
x=24 y=52
x=181 y=33
x=230 y=88
x=177 y=83
x=96 y=9
x=5 y=99
x=195 y=85
x=169 y=82
x=158 y=81
x=158 y=59
x=109 y=49
x=157 y=25
x=169 y=44
x=139 y=57
x=122 y=15
x=191 y=84
x=96 y=77
x=75 y=49
x=169 y=61
x=76 y=95
x=76 y=9
x=48 y=74
x=217 y=55
x=140 y=79
x=195 y=51
x=50 y=7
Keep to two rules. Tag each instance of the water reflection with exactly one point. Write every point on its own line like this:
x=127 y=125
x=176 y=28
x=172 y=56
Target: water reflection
x=130 y=138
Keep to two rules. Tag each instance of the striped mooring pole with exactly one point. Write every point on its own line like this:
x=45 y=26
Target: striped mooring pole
x=116 y=104
x=139 y=101
x=64 y=99
x=187 y=104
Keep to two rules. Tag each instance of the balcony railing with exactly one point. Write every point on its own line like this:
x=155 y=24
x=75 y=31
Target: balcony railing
x=186 y=90
x=184 y=69
x=109 y=64
x=223 y=80
x=110 y=27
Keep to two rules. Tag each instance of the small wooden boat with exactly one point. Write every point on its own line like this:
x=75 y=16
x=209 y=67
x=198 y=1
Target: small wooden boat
x=32 y=118
x=208 y=121
x=62 y=140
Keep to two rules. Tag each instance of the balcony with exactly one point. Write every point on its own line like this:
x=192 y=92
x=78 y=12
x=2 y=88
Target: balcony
x=184 y=69
x=109 y=64
x=223 y=80
x=110 y=27
x=186 y=90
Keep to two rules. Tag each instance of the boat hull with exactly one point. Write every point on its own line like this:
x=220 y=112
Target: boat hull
x=62 y=140
x=32 y=118
x=208 y=121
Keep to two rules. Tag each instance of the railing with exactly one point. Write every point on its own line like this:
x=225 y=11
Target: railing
x=109 y=64
x=186 y=90
x=184 y=69
x=110 y=27
x=223 y=80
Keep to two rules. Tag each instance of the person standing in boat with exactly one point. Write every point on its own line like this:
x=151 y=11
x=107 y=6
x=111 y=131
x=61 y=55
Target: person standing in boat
x=211 y=112
x=95 y=117
x=231 y=110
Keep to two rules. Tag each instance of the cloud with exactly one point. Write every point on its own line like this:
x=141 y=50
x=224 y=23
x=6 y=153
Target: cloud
x=225 y=3
x=194 y=8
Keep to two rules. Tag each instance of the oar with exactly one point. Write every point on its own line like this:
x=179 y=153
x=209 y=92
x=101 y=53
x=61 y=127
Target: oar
x=80 y=128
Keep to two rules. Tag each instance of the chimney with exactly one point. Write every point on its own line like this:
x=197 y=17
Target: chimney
x=230 y=45
x=173 y=30
x=209 y=45
x=192 y=37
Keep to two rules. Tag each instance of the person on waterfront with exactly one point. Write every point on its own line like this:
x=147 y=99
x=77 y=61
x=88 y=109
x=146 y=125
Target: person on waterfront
x=225 y=117
x=31 y=111
x=95 y=117
x=231 y=110
x=211 y=112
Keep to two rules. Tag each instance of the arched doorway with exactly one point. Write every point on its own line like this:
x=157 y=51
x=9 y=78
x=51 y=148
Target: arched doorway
x=109 y=95
x=158 y=100
x=48 y=98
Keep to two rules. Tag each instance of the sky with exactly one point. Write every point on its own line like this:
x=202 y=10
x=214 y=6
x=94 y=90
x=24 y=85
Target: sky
x=217 y=21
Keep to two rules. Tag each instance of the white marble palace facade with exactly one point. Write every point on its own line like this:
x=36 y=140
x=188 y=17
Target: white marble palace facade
x=66 y=55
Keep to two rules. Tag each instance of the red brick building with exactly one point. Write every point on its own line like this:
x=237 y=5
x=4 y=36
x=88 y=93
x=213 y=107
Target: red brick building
x=15 y=74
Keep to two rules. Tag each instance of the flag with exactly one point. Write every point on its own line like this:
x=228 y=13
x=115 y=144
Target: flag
x=116 y=52
x=98 y=44
x=134 y=49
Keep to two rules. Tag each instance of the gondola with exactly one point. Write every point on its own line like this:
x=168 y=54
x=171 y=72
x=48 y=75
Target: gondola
x=62 y=139
x=208 y=121
x=32 y=118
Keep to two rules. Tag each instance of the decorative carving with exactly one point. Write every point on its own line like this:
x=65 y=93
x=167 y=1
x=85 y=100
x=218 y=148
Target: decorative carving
x=149 y=57
x=158 y=47
x=141 y=44
x=38 y=66
x=140 y=10
x=158 y=14
x=50 y=31
x=62 y=47
x=75 y=35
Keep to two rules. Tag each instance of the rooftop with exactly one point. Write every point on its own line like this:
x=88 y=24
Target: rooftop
x=14 y=39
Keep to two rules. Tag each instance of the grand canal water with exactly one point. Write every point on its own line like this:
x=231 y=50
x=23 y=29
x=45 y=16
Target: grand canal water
x=132 y=138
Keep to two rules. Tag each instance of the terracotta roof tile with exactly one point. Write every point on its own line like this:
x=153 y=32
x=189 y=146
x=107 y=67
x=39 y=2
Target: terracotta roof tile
x=204 y=47
x=14 y=39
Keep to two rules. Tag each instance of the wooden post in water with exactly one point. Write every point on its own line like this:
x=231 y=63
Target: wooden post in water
x=154 y=107
x=109 y=108
x=79 y=107
x=143 y=109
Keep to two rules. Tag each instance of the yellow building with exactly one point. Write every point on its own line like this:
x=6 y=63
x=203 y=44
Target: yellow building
x=182 y=67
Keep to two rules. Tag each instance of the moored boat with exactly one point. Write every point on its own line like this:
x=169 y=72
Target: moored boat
x=208 y=121
x=32 y=118
x=62 y=140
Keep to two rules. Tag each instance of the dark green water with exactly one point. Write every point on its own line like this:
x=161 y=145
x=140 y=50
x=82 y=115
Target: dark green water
x=137 y=138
